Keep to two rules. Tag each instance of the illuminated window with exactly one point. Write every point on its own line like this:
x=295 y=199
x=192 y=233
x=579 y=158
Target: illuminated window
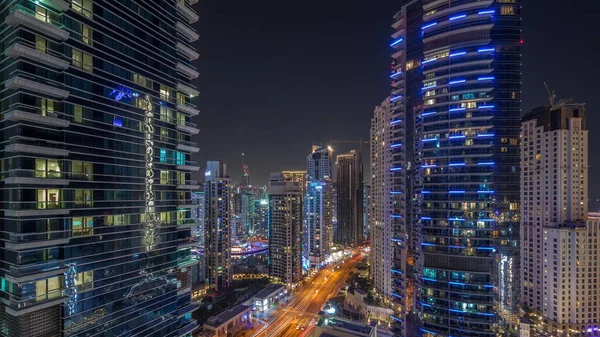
x=41 y=13
x=513 y=141
x=48 y=288
x=180 y=217
x=41 y=44
x=77 y=114
x=164 y=177
x=165 y=217
x=503 y=140
x=82 y=60
x=180 y=158
x=503 y=149
x=47 y=106
x=83 y=197
x=164 y=134
x=118 y=220
x=47 y=168
x=180 y=98
x=469 y=105
x=82 y=226
x=84 y=278
x=430 y=93
x=165 y=93
x=47 y=199
x=84 y=7
x=86 y=35
x=410 y=65
x=430 y=84
x=180 y=118
x=165 y=114
x=142 y=80
x=430 y=102
x=82 y=170
x=507 y=10
x=163 y=155
x=180 y=178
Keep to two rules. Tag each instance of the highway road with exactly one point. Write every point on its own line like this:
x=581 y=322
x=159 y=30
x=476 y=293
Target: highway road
x=303 y=307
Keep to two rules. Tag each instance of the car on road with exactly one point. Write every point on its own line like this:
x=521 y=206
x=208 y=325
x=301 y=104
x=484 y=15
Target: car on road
x=297 y=326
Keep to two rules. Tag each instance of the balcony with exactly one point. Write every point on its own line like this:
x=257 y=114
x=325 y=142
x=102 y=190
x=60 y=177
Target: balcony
x=49 y=118
x=20 y=82
x=26 y=17
x=188 y=185
x=46 y=208
x=188 y=166
x=186 y=224
x=188 y=13
x=32 y=177
x=18 y=144
x=31 y=272
x=187 y=51
x=18 y=307
x=187 y=89
x=187 y=70
x=188 y=127
x=20 y=50
x=58 y=5
x=187 y=309
x=188 y=109
x=185 y=146
x=189 y=33
x=19 y=241
x=187 y=329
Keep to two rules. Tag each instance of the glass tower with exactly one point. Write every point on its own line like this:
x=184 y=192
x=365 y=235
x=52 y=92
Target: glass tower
x=469 y=155
x=95 y=201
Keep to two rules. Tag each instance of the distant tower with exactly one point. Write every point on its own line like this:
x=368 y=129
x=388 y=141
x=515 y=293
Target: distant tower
x=217 y=191
x=245 y=173
x=285 y=219
x=318 y=207
x=349 y=194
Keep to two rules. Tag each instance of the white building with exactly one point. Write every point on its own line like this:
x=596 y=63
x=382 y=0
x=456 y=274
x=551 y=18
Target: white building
x=559 y=251
x=217 y=192
x=285 y=219
x=381 y=184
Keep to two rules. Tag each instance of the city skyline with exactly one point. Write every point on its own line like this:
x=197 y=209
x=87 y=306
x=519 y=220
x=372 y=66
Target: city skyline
x=270 y=89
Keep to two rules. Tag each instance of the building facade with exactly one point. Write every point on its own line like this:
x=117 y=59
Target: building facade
x=199 y=233
x=469 y=155
x=285 y=226
x=297 y=175
x=318 y=207
x=349 y=195
x=96 y=106
x=217 y=193
x=559 y=247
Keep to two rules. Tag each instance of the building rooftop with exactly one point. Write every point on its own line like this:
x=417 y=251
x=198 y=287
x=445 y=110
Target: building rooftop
x=215 y=321
x=268 y=290
x=346 y=326
x=360 y=291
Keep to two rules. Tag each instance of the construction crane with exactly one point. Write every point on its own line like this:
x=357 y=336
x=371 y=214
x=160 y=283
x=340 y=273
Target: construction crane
x=551 y=95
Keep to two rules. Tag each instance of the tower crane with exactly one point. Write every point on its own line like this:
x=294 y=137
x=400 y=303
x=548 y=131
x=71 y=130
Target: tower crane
x=551 y=95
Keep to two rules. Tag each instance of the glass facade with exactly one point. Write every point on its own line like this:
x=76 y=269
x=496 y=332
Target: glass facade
x=95 y=182
x=469 y=157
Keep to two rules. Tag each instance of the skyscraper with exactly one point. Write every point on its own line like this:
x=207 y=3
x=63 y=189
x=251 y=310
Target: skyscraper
x=381 y=182
x=558 y=246
x=469 y=153
x=318 y=207
x=96 y=106
x=217 y=193
x=298 y=175
x=349 y=196
x=285 y=222
x=199 y=232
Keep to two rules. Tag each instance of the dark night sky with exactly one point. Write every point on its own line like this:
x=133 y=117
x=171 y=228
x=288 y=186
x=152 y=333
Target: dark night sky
x=277 y=76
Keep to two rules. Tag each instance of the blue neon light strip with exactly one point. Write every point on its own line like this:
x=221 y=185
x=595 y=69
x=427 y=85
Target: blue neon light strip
x=425 y=218
x=457 y=283
x=425 y=192
x=397 y=240
x=456 y=219
x=396 y=122
x=457 y=109
x=487 y=78
x=396 y=295
x=486 y=192
x=486 y=135
x=428 y=61
x=467 y=312
x=429 y=25
x=429 y=87
x=484 y=50
x=429 y=139
x=486 y=163
x=394 y=169
x=396 y=271
x=457 y=137
x=395 y=145
x=486 y=220
x=457 y=192
x=457 y=81
x=486 y=248
x=396 y=319
x=431 y=332
x=425 y=305
x=458 y=54
x=487 y=12
x=396 y=216
x=428 y=113
x=458 y=17
x=457 y=164
x=395 y=98
x=427 y=166
x=428 y=244
x=488 y=285
x=395 y=192
x=395 y=74
x=396 y=42
x=429 y=279
x=486 y=107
